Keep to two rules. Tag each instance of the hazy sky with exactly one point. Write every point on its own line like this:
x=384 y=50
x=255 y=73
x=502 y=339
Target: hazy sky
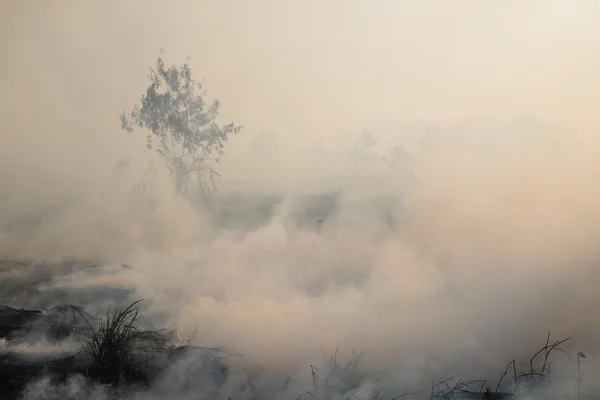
x=312 y=67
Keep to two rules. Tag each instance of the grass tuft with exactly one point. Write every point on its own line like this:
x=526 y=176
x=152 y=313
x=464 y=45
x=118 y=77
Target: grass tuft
x=118 y=349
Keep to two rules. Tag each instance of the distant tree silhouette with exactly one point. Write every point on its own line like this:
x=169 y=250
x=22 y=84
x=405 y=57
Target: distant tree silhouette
x=182 y=126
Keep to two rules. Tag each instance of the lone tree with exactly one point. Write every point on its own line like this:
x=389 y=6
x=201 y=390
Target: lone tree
x=182 y=125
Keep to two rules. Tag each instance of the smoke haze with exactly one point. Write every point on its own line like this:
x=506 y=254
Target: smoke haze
x=461 y=258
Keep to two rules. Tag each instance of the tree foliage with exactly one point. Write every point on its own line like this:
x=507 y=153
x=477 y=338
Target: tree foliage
x=364 y=148
x=182 y=125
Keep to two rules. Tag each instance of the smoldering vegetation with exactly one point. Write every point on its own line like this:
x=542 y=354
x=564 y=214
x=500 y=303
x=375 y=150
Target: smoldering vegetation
x=383 y=227
x=443 y=285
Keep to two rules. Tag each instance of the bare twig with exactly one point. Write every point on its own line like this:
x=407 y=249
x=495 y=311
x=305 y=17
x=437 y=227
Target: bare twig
x=506 y=371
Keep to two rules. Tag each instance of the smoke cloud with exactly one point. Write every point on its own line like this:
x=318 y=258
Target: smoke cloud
x=458 y=258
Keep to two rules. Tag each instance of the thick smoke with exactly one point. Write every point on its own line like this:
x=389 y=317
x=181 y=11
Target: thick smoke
x=456 y=260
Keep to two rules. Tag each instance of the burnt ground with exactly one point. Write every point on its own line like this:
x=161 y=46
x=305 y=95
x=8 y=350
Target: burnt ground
x=33 y=309
x=54 y=325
